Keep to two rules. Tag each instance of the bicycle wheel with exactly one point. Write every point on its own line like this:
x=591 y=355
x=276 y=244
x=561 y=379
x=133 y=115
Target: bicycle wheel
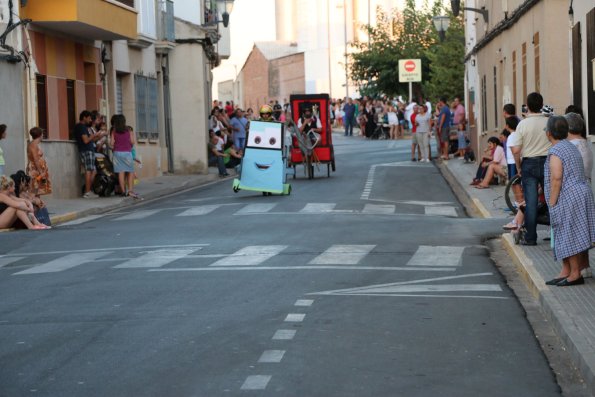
x=509 y=193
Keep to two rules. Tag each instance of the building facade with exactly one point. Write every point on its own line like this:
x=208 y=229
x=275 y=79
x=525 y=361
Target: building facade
x=273 y=71
x=521 y=48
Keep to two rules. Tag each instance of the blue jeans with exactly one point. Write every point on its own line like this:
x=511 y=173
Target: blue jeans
x=531 y=177
x=219 y=162
x=348 y=121
x=239 y=142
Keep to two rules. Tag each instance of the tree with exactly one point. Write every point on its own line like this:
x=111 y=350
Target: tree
x=404 y=35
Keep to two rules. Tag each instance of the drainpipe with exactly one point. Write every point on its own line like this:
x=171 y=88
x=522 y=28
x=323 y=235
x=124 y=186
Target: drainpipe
x=570 y=53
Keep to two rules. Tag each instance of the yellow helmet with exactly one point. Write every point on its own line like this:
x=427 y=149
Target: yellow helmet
x=266 y=110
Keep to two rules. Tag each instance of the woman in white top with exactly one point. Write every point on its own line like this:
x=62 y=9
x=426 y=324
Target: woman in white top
x=498 y=164
x=422 y=134
x=576 y=126
x=393 y=122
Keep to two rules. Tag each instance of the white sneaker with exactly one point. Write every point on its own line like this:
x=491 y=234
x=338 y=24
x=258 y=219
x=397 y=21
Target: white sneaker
x=90 y=195
x=587 y=273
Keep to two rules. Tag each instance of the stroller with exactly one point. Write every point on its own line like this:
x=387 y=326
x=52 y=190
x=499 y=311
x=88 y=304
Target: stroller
x=106 y=181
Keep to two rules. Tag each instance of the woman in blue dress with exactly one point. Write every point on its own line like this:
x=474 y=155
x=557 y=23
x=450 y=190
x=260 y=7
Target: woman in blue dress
x=570 y=201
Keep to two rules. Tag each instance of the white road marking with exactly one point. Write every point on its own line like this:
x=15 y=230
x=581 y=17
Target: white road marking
x=271 y=356
x=81 y=220
x=436 y=256
x=424 y=203
x=342 y=255
x=317 y=208
x=154 y=259
x=200 y=210
x=137 y=215
x=314 y=267
x=107 y=249
x=376 y=286
x=63 y=263
x=256 y=382
x=7 y=261
x=256 y=208
x=369 y=184
x=396 y=289
x=284 y=334
x=441 y=211
x=295 y=318
x=251 y=255
x=378 y=209
x=406 y=164
x=304 y=302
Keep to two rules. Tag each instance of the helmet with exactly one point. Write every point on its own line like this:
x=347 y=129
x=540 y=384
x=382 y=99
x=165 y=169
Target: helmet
x=547 y=110
x=266 y=109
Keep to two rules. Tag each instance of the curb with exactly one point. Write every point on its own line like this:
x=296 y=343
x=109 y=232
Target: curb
x=564 y=324
x=148 y=197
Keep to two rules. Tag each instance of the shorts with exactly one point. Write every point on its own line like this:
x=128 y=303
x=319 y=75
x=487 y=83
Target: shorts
x=511 y=170
x=123 y=162
x=445 y=135
x=88 y=160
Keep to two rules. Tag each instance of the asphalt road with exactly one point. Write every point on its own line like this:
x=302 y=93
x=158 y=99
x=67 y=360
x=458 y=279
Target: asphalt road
x=372 y=282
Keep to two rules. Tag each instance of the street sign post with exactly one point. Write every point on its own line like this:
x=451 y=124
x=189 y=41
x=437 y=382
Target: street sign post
x=409 y=72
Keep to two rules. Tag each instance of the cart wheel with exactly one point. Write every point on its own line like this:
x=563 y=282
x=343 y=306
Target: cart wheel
x=333 y=164
x=264 y=193
x=289 y=190
x=294 y=171
x=236 y=189
x=328 y=170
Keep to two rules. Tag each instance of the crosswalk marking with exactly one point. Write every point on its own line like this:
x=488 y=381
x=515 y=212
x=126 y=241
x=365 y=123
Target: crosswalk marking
x=304 y=302
x=436 y=256
x=63 y=263
x=155 y=259
x=200 y=210
x=251 y=255
x=256 y=208
x=441 y=211
x=342 y=255
x=81 y=220
x=137 y=215
x=379 y=209
x=295 y=317
x=316 y=208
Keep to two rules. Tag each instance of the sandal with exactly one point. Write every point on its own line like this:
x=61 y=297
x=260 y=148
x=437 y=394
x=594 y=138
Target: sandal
x=510 y=226
x=133 y=195
x=481 y=187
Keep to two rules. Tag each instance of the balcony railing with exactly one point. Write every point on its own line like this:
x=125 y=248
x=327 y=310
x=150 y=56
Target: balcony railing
x=166 y=27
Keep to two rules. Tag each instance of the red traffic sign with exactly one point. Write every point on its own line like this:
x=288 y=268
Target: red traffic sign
x=410 y=66
x=409 y=70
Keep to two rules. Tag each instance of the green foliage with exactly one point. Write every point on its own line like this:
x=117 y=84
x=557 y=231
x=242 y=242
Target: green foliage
x=374 y=66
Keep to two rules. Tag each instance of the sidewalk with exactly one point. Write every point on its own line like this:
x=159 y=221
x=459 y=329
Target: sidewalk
x=65 y=210
x=571 y=310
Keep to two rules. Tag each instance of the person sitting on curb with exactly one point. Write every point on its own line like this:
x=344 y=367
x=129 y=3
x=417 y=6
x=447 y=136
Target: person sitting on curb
x=13 y=208
x=23 y=189
x=488 y=156
x=497 y=166
x=216 y=155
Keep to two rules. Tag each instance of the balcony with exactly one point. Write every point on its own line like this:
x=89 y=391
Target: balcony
x=87 y=19
x=166 y=35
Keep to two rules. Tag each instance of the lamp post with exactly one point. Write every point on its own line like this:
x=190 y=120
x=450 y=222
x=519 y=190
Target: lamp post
x=441 y=23
x=225 y=7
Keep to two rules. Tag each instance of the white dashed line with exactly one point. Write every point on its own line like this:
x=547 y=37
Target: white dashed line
x=304 y=302
x=271 y=356
x=256 y=382
x=284 y=334
x=295 y=317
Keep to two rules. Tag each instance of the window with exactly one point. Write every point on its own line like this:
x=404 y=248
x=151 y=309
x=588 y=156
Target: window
x=119 y=101
x=146 y=106
x=129 y=3
x=42 y=104
x=536 y=53
x=495 y=97
x=524 y=66
x=484 y=103
x=71 y=108
x=514 y=92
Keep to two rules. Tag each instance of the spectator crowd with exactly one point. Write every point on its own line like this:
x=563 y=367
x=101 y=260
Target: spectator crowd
x=107 y=157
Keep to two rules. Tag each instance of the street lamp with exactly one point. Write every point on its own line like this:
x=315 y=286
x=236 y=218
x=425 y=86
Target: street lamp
x=441 y=23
